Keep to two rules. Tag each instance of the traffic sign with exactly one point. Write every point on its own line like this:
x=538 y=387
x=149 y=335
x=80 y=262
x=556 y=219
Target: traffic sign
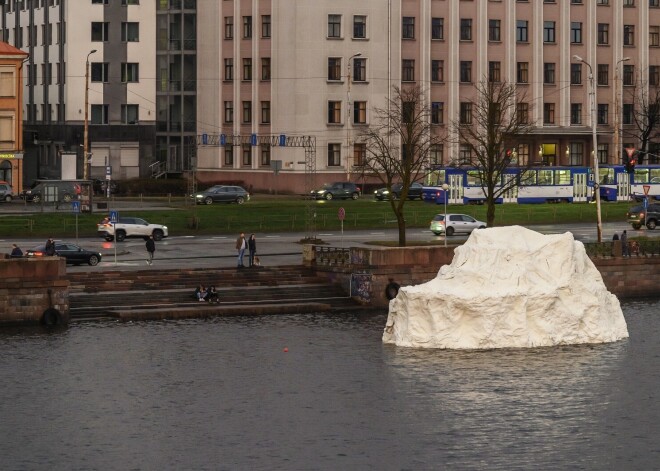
x=205 y=139
x=342 y=214
x=113 y=216
x=75 y=206
x=253 y=139
x=647 y=188
x=282 y=140
x=630 y=151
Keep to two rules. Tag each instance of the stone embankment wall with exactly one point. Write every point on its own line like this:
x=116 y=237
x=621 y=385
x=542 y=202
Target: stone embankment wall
x=34 y=291
x=374 y=268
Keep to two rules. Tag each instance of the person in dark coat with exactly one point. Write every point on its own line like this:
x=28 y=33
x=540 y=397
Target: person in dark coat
x=252 y=247
x=624 y=243
x=151 y=248
x=50 y=247
x=16 y=251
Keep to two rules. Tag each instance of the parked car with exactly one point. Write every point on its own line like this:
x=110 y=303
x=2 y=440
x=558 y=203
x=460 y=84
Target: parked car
x=74 y=254
x=6 y=193
x=341 y=190
x=57 y=190
x=223 y=194
x=457 y=223
x=130 y=227
x=414 y=192
x=638 y=216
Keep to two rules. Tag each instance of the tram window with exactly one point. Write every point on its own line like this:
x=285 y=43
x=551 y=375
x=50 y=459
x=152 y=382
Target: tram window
x=641 y=175
x=545 y=177
x=473 y=178
x=562 y=177
x=655 y=175
x=528 y=177
x=606 y=176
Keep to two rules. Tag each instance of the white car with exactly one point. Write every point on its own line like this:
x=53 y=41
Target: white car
x=457 y=223
x=130 y=227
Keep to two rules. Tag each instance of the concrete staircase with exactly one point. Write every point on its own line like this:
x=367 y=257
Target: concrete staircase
x=152 y=294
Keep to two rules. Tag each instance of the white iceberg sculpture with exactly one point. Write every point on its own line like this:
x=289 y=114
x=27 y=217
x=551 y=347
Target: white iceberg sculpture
x=508 y=287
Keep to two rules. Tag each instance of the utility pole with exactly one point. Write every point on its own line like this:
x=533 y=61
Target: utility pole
x=86 y=131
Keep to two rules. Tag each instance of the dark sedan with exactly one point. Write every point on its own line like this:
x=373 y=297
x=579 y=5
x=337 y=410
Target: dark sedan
x=73 y=254
x=222 y=194
x=414 y=192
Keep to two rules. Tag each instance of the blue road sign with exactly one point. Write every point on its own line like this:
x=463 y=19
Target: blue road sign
x=75 y=206
x=282 y=140
x=223 y=139
x=205 y=139
x=646 y=203
x=113 y=216
x=253 y=139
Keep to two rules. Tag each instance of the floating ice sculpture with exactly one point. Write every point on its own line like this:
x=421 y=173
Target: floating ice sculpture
x=508 y=287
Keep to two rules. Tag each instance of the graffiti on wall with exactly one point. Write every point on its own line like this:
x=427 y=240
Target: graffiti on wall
x=361 y=286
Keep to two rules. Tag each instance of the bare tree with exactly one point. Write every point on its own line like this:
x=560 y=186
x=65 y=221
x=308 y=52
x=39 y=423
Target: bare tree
x=644 y=117
x=492 y=125
x=398 y=144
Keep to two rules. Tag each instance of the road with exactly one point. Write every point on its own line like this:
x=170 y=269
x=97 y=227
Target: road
x=273 y=249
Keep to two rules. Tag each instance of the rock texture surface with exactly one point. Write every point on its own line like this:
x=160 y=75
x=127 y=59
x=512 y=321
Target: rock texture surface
x=508 y=287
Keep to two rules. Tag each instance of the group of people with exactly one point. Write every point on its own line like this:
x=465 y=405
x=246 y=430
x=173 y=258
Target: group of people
x=625 y=248
x=209 y=295
x=243 y=244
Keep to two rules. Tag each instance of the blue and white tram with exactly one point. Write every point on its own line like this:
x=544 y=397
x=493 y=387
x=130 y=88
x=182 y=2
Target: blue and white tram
x=534 y=185
x=616 y=184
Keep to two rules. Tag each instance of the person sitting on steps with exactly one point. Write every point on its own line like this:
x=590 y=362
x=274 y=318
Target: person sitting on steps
x=211 y=295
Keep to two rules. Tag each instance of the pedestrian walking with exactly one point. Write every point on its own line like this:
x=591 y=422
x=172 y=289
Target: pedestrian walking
x=252 y=248
x=50 y=247
x=151 y=248
x=241 y=245
x=624 y=243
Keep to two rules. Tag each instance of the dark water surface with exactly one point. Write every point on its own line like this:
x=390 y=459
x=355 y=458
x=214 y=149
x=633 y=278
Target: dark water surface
x=223 y=394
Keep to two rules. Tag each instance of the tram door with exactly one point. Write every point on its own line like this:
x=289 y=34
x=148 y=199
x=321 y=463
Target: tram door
x=580 y=189
x=622 y=186
x=510 y=195
x=455 y=189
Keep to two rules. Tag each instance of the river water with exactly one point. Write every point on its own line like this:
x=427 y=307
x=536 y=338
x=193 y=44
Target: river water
x=223 y=393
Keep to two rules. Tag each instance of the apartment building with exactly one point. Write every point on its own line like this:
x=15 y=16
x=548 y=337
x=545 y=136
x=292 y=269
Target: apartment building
x=105 y=47
x=320 y=68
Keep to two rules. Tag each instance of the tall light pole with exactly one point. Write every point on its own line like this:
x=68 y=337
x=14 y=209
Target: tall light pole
x=86 y=131
x=348 y=114
x=599 y=224
x=617 y=114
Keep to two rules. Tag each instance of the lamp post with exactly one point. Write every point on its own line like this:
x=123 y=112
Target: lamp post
x=445 y=187
x=86 y=130
x=617 y=135
x=599 y=224
x=348 y=114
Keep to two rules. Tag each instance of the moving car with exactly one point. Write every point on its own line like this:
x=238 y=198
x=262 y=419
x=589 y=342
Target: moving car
x=638 y=216
x=341 y=190
x=130 y=227
x=223 y=194
x=414 y=192
x=6 y=193
x=457 y=223
x=74 y=254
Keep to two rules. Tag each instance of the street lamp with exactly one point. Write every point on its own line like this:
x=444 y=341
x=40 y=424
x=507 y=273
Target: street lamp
x=86 y=131
x=348 y=114
x=599 y=224
x=617 y=117
x=445 y=187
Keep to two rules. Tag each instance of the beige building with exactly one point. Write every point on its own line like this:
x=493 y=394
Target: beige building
x=318 y=68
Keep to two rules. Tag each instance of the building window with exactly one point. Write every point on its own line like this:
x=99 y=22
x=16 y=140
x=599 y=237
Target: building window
x=407 y=111
x=548 y=113
x=494 y=30
x=334 y=156
x=265 y=26
x=437 y=28
x=628 y=3
x=359 y=27
x=576 y=32
x=522 y=31
x=265 y=155
x=334 y=112
x=494 y=71
x=466 y=29
x=129 y=114
x=575 y=153
x=522 y=113
x=437 y=71
x=466 y=71
x=549 y=72
x=602 y=2
x=99 y=31
x=130 y=32
x=408 y=70
x=247 y=69
x=130 y=72
x=522 y=72
x=548 y=31
x=603 y=74
x=265 y=68
x=437 y=112
x=359 y=154
x=61 y=74
x=628 y=111
x=229 y=156
x=265 y=112
x=602 y=113
x=603 y=33
x=654 y=3
x=465 y=154
x=247 y=112
x=229 y=112
x=334 y=26
x=334 y=68
x=437 y=154
x=576 y=74
x=99 y=114
x=99 y=71
x=46 y=74
x=465 y=116
x=246 y=151
x=603 y=151
x=576 y=113
x=359 y=70
x=229 y=69
x=654 y=36
x=628 y=74
x=247 y=27
x=360 y=112
x=229 y=27
x=654 y=75
x=408 y=27
x=628 y=35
